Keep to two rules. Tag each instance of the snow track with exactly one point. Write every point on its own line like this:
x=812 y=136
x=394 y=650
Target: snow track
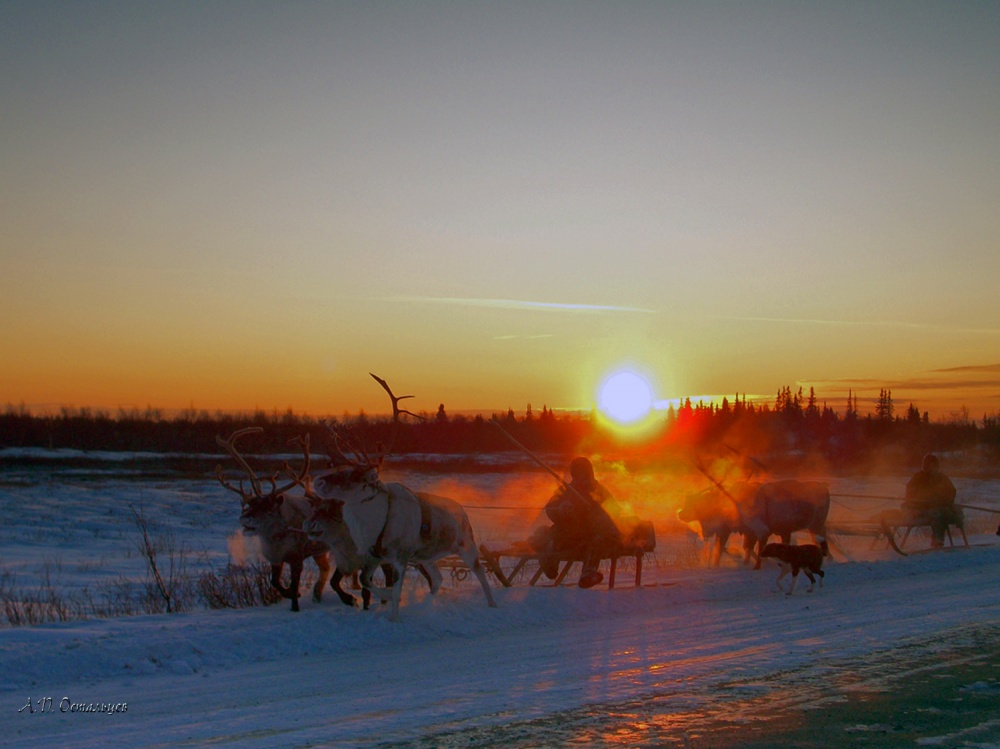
x=330 y=676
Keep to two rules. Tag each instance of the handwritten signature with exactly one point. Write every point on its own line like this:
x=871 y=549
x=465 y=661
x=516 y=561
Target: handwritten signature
x=66 y=705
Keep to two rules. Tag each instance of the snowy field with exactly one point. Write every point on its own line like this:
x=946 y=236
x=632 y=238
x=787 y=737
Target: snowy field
x=696 y=657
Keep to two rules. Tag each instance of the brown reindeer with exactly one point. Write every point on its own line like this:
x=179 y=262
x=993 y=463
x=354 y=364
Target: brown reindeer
x=716 y=510
x=276 y=518
x=783 y=507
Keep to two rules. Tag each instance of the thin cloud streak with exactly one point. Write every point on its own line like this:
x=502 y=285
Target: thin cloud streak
x=970 y=368
x=519 y=304
x=909 y=384
x=859 y=323
x=928 y=380
x=522 y=337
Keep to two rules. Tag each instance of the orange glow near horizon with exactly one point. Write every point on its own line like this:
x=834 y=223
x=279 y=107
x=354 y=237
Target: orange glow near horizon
x=127 y=385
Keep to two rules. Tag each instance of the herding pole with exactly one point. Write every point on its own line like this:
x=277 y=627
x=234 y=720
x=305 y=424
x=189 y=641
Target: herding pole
x=538 y=460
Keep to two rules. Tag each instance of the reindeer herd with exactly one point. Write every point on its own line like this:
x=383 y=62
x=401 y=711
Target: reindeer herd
x=347 y=513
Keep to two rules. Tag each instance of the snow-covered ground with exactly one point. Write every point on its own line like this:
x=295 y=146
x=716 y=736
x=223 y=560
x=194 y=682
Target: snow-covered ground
x=666 y=664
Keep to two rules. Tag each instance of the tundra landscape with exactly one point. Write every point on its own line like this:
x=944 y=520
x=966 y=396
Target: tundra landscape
x=666 y=295
x=891 y=651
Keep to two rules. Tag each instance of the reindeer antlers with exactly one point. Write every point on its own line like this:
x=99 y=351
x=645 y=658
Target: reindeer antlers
x=396 y=410
x=229 y=446
x=303 y=475
x=341 y=445
x=383 y=451
x=361 y=458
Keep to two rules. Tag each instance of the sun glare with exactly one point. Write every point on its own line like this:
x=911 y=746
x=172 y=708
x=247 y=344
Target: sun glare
x=625 y=397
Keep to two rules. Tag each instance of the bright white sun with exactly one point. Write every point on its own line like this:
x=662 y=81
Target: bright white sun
x=625 y=397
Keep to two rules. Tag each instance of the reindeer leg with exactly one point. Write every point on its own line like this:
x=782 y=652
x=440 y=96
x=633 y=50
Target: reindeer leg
x=397 y=595
x=480 y=573
x=386 y=593
x=433 y=576
x=323 y=562
x=471 y=557
x=389 y=573
x=276 y=570
x=366 y=593
x=296 y=568
x=345 y=597
x=721 y=540
x=426 y=575
x=761 y=543
x=394 y=593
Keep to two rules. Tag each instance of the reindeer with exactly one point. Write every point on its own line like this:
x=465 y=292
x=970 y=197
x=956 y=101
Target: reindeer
x=327 y=526
x=388 y=523
x=783 y=507
x=717 y=511
x=277 y=519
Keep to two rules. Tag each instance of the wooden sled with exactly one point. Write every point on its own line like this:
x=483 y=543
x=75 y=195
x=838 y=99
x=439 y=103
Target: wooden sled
x=895 y=521
x=641 y=541
x=894 y=527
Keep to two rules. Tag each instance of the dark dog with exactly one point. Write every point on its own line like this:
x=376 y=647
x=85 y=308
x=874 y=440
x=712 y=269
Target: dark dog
x=808 y=558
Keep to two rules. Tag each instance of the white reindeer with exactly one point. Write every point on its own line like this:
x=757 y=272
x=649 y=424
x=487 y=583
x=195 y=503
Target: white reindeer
x=387 y=523
x=276 y=518
x=330 y=530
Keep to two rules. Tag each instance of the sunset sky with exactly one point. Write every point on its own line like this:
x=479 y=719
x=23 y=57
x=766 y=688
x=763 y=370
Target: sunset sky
x=233 y=205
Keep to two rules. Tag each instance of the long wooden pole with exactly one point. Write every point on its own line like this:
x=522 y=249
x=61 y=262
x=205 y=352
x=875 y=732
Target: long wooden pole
x=973 y=507
x=538 y=460
x=903 y=499
x=526 y=451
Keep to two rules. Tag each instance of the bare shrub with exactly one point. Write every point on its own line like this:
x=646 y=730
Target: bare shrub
x=118 y=597
x=167 y=586
x=238 y=586
x=28 y=607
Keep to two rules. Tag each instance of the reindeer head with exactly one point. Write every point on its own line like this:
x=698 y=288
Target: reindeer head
x=262 y=513
x=347 y=483
x=262 y=508
x=327 y=518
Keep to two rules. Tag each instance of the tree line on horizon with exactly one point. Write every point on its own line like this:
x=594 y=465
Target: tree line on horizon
x=796 y=423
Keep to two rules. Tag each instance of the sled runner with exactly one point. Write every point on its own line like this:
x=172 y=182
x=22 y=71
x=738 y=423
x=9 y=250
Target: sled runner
x=895 y=522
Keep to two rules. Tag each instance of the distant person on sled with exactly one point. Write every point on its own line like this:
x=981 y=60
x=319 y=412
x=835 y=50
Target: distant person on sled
x=582 y=526
x=930 y=499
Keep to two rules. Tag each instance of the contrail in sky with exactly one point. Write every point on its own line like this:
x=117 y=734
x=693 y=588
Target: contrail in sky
x=519 y=304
